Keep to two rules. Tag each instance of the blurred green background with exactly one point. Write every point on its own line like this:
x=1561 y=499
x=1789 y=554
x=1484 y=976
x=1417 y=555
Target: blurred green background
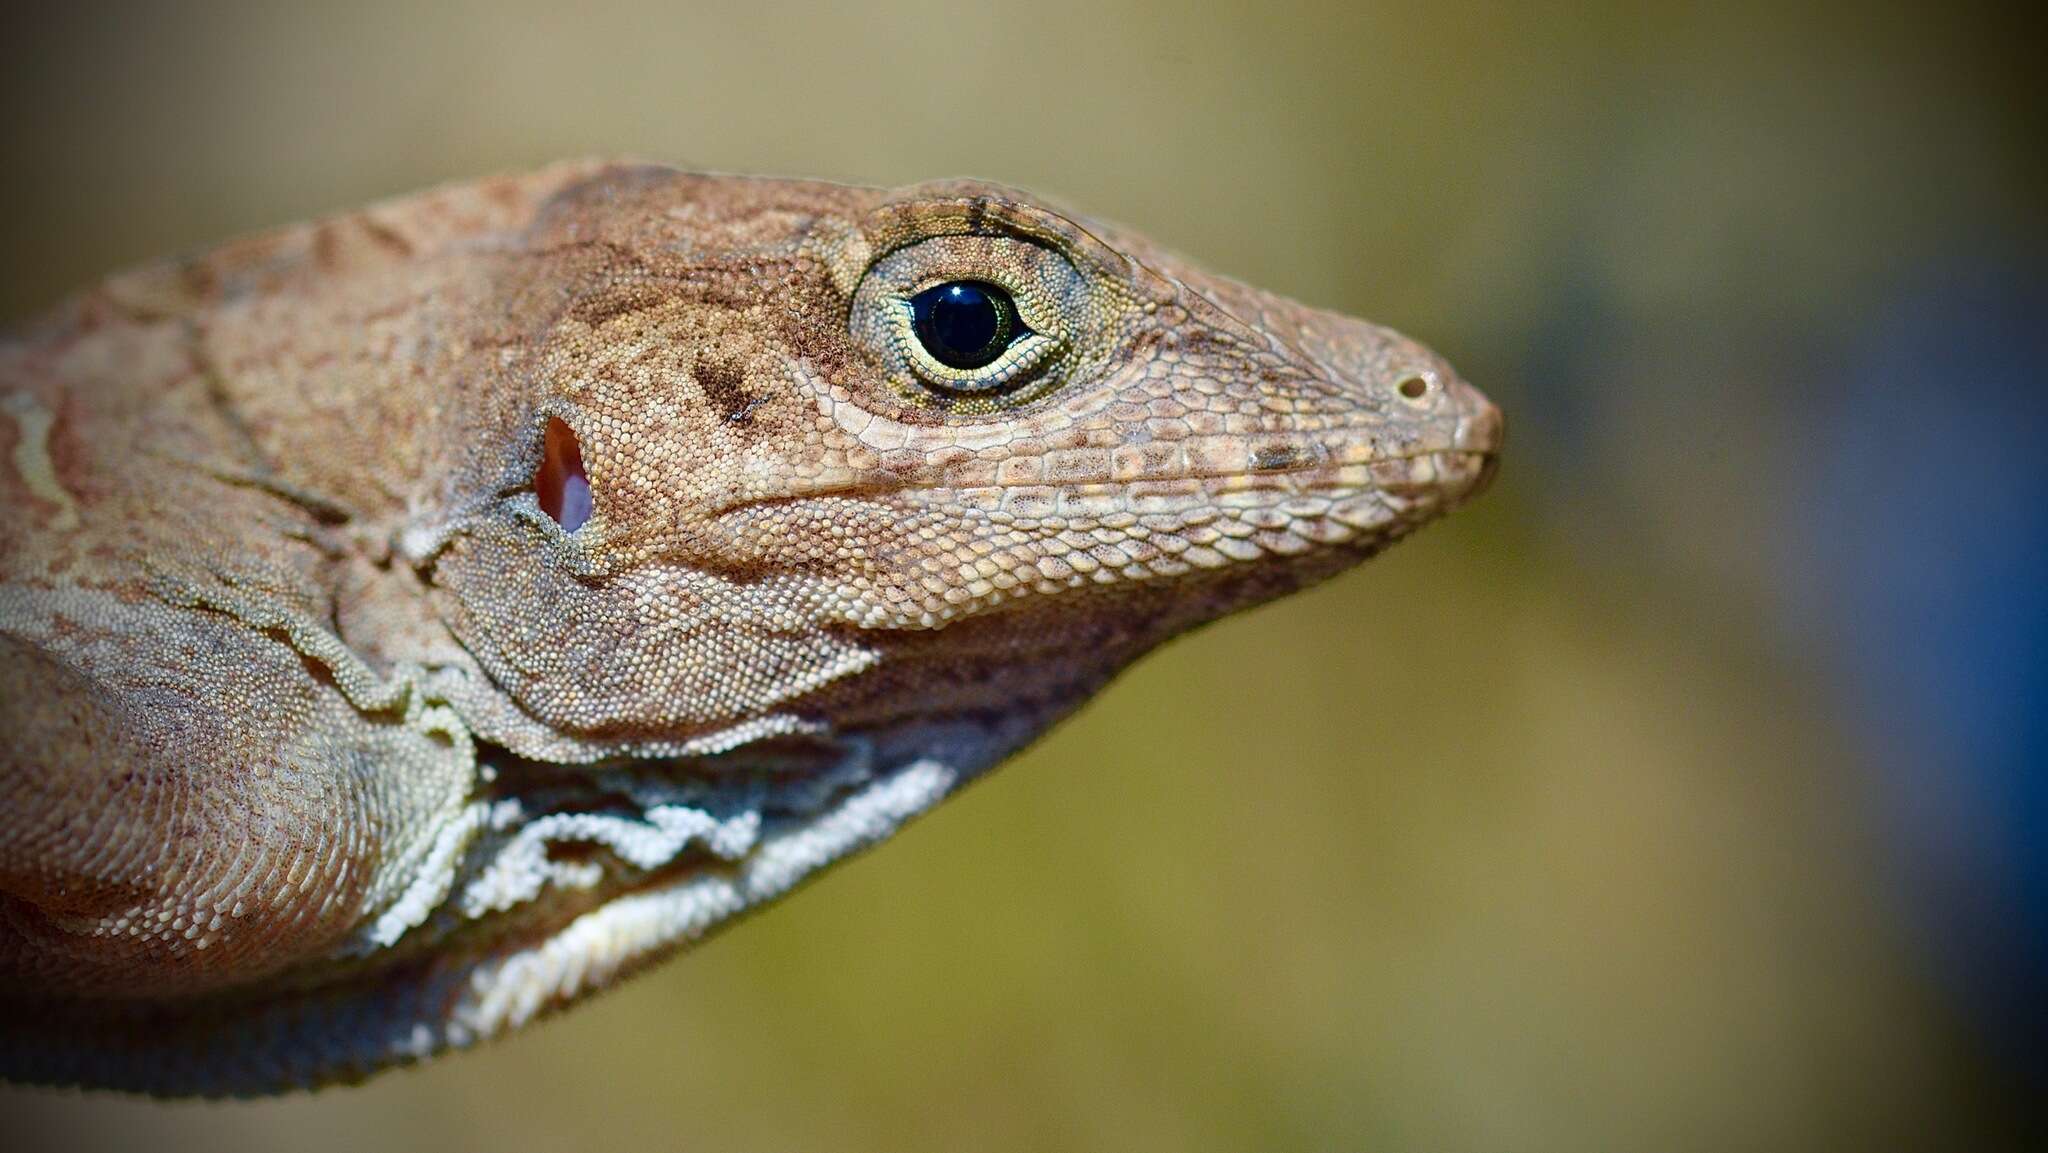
x=1560 y=828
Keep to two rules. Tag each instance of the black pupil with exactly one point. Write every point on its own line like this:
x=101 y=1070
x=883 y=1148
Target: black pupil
x=964 y=323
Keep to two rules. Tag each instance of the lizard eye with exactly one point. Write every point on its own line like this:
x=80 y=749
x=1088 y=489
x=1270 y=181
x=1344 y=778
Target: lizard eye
x=972 y=325
x=965 y=324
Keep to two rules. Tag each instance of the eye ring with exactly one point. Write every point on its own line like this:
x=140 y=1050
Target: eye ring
x=971 y=355
x=966 y=324
x=1028 y=303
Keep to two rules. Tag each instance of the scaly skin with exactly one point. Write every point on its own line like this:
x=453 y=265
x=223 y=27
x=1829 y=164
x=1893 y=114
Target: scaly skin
x=328 y=744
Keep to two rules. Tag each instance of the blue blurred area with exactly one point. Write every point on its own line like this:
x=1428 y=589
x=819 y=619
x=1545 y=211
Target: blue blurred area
x=1877 y=485
x=1928 y=536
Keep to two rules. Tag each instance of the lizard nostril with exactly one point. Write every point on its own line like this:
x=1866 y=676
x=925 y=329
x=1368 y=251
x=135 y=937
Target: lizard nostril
x=560 y=482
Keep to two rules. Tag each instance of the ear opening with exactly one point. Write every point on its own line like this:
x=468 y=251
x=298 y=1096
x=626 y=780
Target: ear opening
x=560 y=482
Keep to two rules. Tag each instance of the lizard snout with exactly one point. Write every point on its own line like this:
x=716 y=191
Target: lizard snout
x=1474 y=457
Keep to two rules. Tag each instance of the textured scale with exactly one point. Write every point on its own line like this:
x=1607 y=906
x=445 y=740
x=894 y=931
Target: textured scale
x=417 y=620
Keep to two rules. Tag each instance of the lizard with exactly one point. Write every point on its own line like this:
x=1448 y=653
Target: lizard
x=415 y=621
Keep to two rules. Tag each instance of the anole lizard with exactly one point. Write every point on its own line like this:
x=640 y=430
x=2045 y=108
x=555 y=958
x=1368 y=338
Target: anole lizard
x=414 y=621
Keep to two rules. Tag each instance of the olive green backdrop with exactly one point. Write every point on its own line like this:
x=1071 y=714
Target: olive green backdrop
x=1542 y=832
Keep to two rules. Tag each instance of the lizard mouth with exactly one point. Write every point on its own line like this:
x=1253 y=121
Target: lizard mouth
x=1450 y=474
x=1438 y=463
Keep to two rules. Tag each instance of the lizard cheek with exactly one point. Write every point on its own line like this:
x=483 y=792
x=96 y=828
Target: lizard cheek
x=561 y=484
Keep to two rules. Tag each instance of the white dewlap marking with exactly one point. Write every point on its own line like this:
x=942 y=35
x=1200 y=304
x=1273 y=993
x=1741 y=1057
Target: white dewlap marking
x=594 y=948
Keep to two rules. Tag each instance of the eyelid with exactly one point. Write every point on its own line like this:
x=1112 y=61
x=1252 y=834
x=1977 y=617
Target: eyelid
x=1029 y=351
x=1045 y=288
x=1022 y=299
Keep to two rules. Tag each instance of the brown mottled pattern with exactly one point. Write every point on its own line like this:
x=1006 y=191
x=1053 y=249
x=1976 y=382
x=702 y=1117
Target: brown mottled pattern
x=327 y=748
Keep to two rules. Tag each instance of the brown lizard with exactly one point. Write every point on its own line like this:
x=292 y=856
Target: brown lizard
x=415 y=621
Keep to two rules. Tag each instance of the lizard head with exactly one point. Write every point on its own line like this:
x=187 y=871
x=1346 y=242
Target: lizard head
x=860 y=459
